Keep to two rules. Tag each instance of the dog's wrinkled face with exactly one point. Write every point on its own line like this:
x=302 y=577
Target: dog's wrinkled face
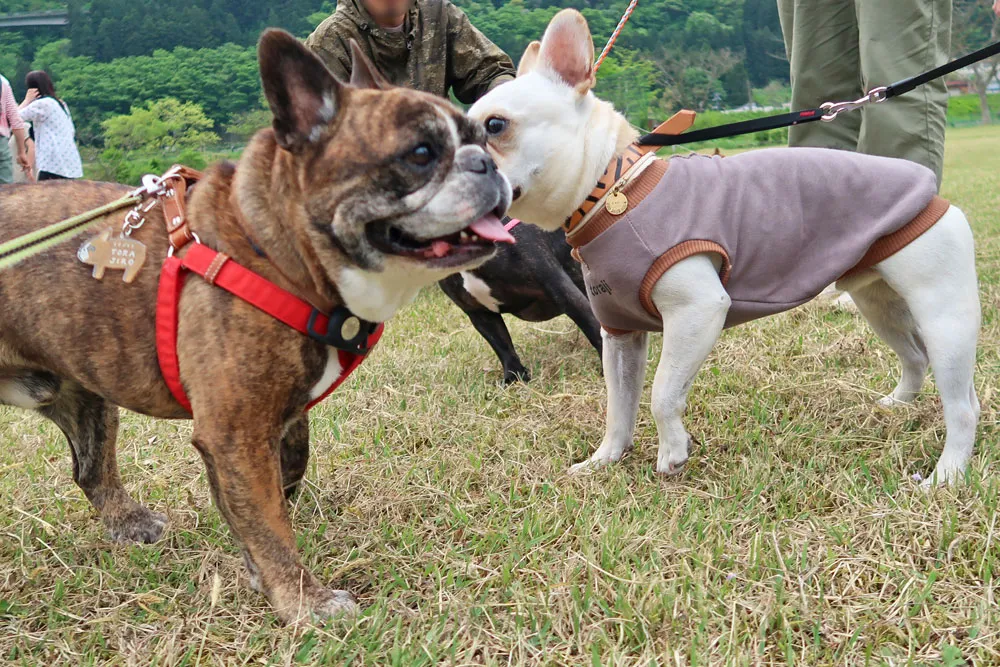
x=546 y=130
x=390 y=179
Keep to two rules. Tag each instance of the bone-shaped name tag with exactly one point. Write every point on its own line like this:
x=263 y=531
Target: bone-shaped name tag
x=107 y=252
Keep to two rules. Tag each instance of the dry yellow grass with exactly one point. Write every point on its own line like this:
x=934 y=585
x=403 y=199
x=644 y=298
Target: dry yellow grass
x=795 y=535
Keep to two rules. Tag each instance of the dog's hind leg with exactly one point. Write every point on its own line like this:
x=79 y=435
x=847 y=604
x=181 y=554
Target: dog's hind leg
x=91 y=426
x=563 y=291
x=294 y=455
x=936 y=276
x=890 y=317
x=578 y=309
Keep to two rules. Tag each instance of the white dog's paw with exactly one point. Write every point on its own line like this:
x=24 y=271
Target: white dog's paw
x=605 y=455
x=944 y=475
x=671 y=460
x=590 y=465
x=890 y=402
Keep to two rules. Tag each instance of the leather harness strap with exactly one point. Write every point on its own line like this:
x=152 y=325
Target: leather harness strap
x=178 y=180
x=612 y=173
x=619 y=165
x=219 y=270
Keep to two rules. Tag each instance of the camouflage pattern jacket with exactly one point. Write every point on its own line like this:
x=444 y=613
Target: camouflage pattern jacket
x=438 y=49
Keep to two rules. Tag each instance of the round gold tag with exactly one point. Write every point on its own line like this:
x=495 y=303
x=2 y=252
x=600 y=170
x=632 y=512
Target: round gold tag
x=616 y=203
x=351 y=328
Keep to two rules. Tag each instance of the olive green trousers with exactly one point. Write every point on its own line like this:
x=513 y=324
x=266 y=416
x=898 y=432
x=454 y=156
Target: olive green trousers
x=840 y=49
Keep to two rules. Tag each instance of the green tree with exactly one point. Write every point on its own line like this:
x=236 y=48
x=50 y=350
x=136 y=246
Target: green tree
x=974 y=27
x=629 y=82
x=165 y=124
x=51 y=54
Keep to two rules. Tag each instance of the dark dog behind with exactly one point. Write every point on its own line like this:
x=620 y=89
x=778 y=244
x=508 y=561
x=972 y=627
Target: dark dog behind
x=535 y=280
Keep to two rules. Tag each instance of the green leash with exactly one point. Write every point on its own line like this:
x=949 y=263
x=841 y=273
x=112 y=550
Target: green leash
x=33 y=243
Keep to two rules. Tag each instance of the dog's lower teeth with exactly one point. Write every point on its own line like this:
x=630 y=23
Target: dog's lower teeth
x=463 y=236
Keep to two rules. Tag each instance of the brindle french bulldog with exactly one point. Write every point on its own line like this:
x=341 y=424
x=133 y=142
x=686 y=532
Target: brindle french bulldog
x=359 y=193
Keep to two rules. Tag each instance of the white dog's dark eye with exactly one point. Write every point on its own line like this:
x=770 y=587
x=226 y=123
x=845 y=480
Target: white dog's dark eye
x=495 y=125
x=422 y=155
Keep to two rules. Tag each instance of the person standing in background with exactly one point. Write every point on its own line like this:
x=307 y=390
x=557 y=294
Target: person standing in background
x=56 y=155
x=427 y=45
x=11 y=125
x=841 y=49
x=20 y=174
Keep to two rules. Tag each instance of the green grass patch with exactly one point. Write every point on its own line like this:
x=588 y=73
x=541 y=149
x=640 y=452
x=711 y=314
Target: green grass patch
x=439 y=496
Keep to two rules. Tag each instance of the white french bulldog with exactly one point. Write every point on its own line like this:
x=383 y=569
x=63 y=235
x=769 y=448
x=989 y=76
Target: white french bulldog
x=552 y=138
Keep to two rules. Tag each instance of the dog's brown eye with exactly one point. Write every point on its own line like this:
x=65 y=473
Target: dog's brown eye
x=495 y=125
x=422 y=155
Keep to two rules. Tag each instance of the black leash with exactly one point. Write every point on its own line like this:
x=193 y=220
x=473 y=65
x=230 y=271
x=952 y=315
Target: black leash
x=827 y=111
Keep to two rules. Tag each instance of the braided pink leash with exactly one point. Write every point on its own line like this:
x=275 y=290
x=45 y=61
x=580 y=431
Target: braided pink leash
x=614 y=36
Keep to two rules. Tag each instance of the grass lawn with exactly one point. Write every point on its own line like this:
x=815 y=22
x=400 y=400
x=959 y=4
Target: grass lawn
x=795 y=535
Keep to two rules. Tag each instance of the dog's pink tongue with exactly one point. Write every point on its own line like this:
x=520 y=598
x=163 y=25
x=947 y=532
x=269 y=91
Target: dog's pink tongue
x=490 y=228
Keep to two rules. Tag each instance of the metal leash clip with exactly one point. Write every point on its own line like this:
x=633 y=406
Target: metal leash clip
x=136 y=217
x=152 y=187
x=834 y=109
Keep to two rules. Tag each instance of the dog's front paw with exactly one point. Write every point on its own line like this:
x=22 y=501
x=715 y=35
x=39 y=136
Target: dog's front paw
x=896 y=399
x=516 y=374
x=670 y=460
x=337 y=603
x=584 y=467
x=137 y=524
x=605 y=455
x=889 y=402
x=944 y=475
x=670 y=468
x=322 y=605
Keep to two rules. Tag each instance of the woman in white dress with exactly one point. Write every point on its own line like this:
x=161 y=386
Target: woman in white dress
x=56 y=155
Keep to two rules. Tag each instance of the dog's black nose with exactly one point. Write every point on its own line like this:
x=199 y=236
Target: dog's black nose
x=478 y=163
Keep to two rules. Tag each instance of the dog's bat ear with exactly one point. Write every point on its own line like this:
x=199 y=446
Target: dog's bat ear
x=364 y=74
x=302 y=93
x=530 y=58
x=568 y=50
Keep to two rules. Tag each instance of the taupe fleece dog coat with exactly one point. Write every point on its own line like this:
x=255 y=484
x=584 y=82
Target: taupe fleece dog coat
x=786 y=222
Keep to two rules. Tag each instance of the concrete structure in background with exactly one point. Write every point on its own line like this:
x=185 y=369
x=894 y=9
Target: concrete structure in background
x=34 y=19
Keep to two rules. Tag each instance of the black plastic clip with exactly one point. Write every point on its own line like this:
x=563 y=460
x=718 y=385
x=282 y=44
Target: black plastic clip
x=342 y=321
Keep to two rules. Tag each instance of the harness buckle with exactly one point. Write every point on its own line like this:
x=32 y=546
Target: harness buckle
x=344 y=330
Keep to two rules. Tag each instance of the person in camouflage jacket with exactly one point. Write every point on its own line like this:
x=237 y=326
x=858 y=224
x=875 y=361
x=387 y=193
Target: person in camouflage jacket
x=434 y=49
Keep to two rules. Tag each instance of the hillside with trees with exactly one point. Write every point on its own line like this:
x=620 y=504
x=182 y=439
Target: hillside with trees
x=120 y=54
x=123 y=57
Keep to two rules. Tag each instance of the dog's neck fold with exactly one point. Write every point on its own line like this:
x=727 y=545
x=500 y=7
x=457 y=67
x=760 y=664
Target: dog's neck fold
x=292 y=258
x=607 y=135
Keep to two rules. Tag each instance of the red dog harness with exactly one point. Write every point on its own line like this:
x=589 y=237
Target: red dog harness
x=221 y=271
